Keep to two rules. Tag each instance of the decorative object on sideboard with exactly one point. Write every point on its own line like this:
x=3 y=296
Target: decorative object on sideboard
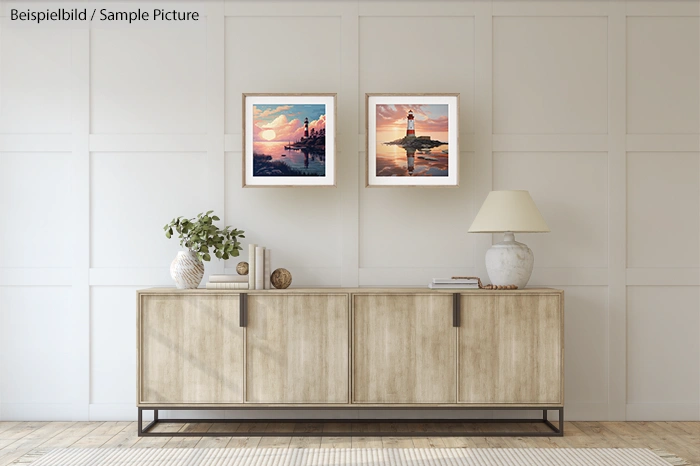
x=489 y=286
x=251 y=266
x=200 y=237
x=500 y=287
x=289 y=140
x=260 y=268
x=227 y=286
x=509 y=212
x=412 y=140
x=268 y=268
x=281 y=279
x=187 y=270
x=242 y=268
x=458 y=283
x=227 y=282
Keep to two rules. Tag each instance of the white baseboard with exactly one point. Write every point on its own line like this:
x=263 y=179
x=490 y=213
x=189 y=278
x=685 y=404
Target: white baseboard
x=128 y=412
x=663 y=411
x=586 y=411
x=116 y=412
x=40 y=412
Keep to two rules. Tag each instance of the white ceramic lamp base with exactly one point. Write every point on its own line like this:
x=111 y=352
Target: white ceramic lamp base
x=509 y=262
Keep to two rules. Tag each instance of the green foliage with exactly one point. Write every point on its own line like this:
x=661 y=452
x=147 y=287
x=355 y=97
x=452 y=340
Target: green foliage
x=200 y=234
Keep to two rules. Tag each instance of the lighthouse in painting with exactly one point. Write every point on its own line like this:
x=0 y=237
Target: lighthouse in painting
x=410 y=129
x=306 y=127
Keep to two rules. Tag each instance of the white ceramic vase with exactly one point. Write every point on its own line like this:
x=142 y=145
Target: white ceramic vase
x=187 y=270
x=509 y=262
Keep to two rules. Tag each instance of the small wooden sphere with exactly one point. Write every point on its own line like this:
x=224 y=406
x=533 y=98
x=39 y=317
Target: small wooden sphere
x=242 y=268
x=281 y=279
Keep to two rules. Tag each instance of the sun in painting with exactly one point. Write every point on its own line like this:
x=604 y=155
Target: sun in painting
x=268 y=135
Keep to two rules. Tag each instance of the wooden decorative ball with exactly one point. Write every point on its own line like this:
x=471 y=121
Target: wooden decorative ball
x=281 y=279
x=242 y=268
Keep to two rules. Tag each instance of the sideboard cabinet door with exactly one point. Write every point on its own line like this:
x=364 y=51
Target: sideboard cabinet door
x=510 y=349
x=191 y=349
x=297 y=348
x=404 y=349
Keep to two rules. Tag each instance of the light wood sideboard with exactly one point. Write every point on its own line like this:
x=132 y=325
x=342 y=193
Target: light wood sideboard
x=350 y=348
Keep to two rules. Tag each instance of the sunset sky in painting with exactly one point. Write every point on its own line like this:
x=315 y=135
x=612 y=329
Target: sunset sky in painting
x=285 y=123
x=430 y=120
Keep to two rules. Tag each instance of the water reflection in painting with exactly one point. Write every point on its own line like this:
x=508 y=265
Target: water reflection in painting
x=412 y=140
x=289 y=140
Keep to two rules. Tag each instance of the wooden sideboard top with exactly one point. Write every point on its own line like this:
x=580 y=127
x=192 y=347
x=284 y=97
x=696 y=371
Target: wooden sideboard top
x=364 y=290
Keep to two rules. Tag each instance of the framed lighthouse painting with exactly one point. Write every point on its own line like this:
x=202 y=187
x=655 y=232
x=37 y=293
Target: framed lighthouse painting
x=289 y=140
x=412 y=140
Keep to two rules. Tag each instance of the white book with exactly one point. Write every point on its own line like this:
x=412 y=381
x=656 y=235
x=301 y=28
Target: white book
x=453 y=286
x=251 y=266
x=227 y=278
x=455 y=280
x=268 y=268
x=259 y=268
x=227 y=286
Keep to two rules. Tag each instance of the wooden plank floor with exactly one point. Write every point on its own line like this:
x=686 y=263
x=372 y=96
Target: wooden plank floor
x=19 y=439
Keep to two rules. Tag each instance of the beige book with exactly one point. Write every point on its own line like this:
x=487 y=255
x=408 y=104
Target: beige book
x=251 y=266
x=227 y=286
x=268 y=269
x=259 y=268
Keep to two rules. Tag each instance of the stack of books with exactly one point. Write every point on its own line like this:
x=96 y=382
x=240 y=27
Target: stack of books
x=259 y=267
x=454 y=283
x=227 y=282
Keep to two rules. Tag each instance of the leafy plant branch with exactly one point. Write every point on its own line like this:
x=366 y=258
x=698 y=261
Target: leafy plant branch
x=200 y=234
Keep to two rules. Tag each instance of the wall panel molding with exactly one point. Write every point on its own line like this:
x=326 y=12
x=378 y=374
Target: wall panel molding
x=663 y=276
x=422 y=9
x=36 y=143
x=569 y=276
x=662 y=8
x=216 y=114
x=547 y=8
x=550 y=142
x=284 y=8
x=148 y=142
x=617 y=211
x=80 y=338
x=10 y=276
x=663 y=143
x=483 y=121
x=348 y=172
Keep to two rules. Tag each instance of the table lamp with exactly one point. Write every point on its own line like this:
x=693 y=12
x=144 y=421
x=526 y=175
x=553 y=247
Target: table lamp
x=509 y=212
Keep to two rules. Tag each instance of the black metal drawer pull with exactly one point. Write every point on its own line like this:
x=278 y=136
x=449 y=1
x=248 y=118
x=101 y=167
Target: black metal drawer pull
x=455 y=309
x=243 y=309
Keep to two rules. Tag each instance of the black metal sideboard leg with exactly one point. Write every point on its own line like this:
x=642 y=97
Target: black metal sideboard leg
x=144 y=431
x=561 y=421
x=554 y=431
x=558 y=431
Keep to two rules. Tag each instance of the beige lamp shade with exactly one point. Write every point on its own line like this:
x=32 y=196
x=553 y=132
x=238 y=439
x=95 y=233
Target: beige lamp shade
x=513 y=211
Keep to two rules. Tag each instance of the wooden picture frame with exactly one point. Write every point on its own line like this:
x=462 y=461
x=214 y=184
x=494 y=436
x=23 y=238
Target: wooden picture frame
x=289 y=140
x=412 y=140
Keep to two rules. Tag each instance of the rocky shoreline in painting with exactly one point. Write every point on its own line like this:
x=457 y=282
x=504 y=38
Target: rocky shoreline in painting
x=418 y=143
x=315 y=143
x=263 y=165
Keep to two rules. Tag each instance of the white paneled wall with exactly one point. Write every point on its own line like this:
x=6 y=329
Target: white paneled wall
x=594 y=107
